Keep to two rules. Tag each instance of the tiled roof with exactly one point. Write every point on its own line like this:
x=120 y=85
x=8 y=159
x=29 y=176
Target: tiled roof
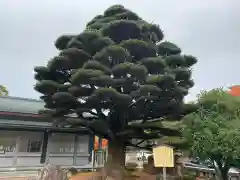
x=24 y=105
x=20 y=105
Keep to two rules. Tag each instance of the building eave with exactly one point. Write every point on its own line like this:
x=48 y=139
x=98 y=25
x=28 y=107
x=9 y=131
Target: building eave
x=12 y=127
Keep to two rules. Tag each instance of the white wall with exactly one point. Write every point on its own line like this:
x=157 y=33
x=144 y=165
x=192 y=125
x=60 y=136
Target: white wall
x=6 y=161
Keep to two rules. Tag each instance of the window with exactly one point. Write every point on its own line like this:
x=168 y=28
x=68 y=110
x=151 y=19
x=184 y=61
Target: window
x=34 y=146
x=62 y=144
x=65 y=147
x=6 y=148
x=82 y=144
x=7 y=144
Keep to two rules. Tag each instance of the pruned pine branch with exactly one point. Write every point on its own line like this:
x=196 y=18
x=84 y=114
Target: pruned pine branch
x=140 y=142
x=97 y=126
x=147 y=147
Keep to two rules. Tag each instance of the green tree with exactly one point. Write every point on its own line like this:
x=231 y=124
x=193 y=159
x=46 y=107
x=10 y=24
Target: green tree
x=120 y=79
x=3 y=91
x=214 y=130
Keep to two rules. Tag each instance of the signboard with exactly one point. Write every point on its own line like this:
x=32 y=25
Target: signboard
x=163 y=156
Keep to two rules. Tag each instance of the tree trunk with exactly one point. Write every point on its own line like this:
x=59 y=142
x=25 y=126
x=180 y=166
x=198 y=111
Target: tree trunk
x=116 y=153
x=225 y=174
x=178 y=166
x=222 y=172
x=115 y=165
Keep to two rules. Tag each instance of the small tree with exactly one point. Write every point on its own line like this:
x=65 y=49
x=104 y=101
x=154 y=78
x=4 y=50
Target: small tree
x=214 y=131
x=3 y=91
x=120 y=80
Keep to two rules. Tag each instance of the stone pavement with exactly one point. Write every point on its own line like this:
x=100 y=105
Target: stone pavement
x=18 y=178
x=22 y=175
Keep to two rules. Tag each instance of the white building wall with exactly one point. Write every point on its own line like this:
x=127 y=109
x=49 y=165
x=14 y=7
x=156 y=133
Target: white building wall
x=61 y=149
x=6 y=161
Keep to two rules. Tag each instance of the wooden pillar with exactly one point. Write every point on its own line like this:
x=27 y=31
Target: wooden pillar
x=16 y=151
x=75 y=149
x=44 y=147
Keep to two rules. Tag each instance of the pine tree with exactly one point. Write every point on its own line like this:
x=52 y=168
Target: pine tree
x=121 y=79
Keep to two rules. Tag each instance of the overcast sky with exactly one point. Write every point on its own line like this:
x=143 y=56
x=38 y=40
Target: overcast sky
x=207 y=29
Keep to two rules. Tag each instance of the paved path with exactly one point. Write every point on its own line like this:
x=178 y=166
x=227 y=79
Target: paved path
x=31 y=175
x=18 y=175
x=18 y=178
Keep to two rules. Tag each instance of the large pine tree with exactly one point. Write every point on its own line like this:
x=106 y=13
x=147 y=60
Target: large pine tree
x=121 y=80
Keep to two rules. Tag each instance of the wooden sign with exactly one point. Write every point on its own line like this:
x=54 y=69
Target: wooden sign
x=163 y=156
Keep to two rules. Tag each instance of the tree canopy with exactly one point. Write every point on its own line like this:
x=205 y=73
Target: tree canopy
x=3 y=91
x=214 y=130
x=118 y=78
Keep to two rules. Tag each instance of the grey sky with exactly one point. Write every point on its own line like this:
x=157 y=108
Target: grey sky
x=208 y=29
